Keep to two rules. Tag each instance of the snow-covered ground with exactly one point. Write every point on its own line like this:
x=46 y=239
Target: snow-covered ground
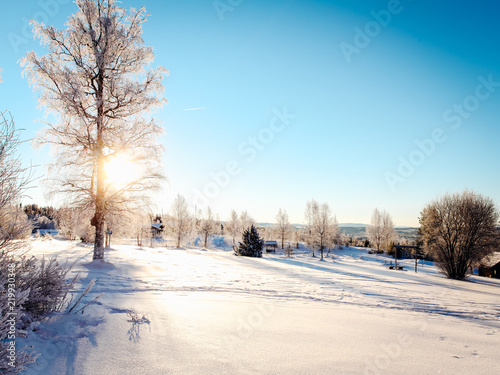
x=193 y=311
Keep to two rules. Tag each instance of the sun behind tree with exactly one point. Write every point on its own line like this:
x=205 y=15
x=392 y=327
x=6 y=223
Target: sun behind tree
x=94 y=80
x=121 y=171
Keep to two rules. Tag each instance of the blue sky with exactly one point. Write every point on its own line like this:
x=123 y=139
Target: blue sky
x=351 y=119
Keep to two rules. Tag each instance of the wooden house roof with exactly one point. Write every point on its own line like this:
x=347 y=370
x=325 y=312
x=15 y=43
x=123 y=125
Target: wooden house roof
x=491 y=260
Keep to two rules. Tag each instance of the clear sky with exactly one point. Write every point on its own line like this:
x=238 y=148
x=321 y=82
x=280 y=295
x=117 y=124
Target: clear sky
x=361 y=104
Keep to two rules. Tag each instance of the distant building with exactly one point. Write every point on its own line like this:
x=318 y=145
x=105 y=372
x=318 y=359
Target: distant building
x=157 y=229
x=490 y=266
x=271 y=246
x=47 y=232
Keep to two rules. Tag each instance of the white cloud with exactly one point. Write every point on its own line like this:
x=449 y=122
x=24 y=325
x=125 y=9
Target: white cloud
x=194 y=109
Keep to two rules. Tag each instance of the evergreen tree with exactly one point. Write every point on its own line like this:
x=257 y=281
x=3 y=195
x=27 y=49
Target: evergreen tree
x=252 y=244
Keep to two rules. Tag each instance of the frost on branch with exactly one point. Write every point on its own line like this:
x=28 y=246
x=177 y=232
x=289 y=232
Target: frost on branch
x=96 y=81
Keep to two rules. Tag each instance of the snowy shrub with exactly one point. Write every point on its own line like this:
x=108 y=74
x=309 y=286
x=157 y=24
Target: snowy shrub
x=14 y=231
x=29 y=290
x=252 y=244
x=459 y=230
x=87 y=233
x=11 y=312
x=391 y=250
x=47 y=286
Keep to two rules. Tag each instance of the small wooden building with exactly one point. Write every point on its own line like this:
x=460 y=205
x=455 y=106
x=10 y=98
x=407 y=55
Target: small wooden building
x=271 y=246
x=490 y=266
x=157 y=229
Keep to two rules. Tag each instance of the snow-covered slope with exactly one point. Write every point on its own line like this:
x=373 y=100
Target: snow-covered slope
x=192 y=311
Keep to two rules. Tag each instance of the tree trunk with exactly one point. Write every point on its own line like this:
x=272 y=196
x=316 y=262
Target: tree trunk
x=99 y=217
x=98 y=223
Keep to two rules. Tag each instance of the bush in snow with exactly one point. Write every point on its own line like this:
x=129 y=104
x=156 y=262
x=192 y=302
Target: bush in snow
x=252 y=244
x=14 y=231
x=12 y=361
x=47 y=286
x=391 y=250
x=29 y=290
x=459 y=230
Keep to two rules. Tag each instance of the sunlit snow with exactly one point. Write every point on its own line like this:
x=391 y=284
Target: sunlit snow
x=196 y=311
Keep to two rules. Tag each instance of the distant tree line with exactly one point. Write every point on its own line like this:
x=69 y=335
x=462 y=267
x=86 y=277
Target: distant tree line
x=457 y=230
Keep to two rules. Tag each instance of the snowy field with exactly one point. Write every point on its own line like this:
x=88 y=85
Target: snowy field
x=193 y=311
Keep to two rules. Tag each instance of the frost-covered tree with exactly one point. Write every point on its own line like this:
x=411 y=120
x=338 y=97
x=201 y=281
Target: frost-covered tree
x=208 y=226
x=309 y=231
x=14 y=179
x=179 y=221
x=94 y=80
x=68 y=220
x=336 y=236
x=283 y=226
x=459 y=230
x=374 y=231
x=252 y=244
x=321 y=227
x=389 y=234
x=381 y=230
x=289 y=251
x=246 y=221
x=232 y=226
x=140 y=227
